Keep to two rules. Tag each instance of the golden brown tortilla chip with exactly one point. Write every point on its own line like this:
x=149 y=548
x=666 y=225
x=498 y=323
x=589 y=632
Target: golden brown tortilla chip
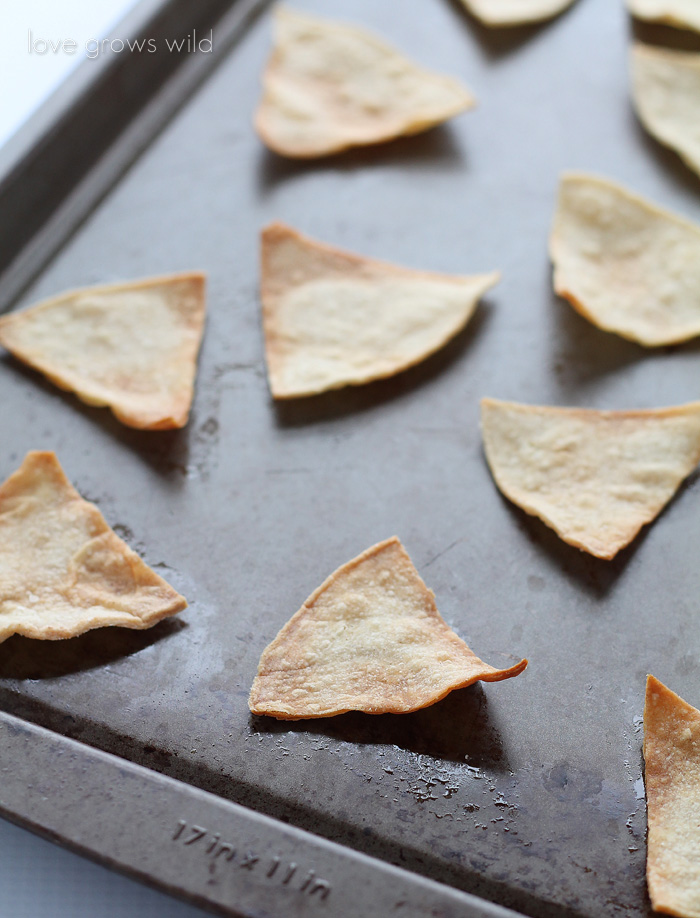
x=627 y=266
x=672 y=780
x=682 y=14
x=334 y=319
x=370 y=639
x=505 y=13
x=666 y=89
x=130 y=346
x=63 y=571
x=594 y=477
x=329 y=86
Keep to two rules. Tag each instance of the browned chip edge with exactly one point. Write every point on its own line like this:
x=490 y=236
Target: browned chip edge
x=583 y=412
x=496 y=675
x=136 y=421
x=341 y=146
x=49 y=460
x=277 y=232
x=562 y=290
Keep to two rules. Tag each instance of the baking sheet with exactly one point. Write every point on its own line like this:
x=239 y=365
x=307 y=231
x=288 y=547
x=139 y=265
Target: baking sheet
x=526 y=792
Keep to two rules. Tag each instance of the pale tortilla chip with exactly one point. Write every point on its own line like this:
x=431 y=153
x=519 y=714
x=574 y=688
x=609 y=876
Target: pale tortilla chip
x=627 y=266
x=63 y=571
x=130 y=346
x=370 y=639
x=506 y=13
x=682 y=14
x=594 y=477
x=329 y=86
x=672 y=780
x=666 y=89
x=333 y=319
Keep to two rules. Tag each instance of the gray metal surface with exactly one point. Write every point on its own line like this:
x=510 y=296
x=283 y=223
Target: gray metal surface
x=198 y=846
x=526 y=792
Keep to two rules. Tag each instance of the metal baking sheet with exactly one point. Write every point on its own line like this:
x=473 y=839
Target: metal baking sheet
x=228 y=858
x=528 y=792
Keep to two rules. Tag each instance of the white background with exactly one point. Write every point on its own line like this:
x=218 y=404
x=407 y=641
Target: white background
x=26 y=80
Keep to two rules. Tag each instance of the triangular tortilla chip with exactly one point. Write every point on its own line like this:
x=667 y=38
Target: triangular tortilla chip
x=627 y=266
x=329 y=86
x=594 y=477
x=682 y=14
x=506 y=13
x=63 y=571
x=334 y=319
x=370 y=639
x=666 y=88
x=672 y=780
x=130 y=346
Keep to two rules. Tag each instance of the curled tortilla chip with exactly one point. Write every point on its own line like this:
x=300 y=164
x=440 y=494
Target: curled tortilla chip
x=666 y=89
x=506 y=13
x=672 y=780
x=333 y=319
x=132 y=347
x=594 y=477
x=63 y=570
x=369 y=639
x=627 y=266
x=330 y=86
x=682 y=14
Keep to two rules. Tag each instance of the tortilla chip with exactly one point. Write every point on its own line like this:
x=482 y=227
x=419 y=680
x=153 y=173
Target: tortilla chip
x=594 y=477
x=334 y=319
x=63 y=571
x=682 y=14
x=369 y=639
x=627 y=266
x=666 y=89
x=506 y=13
x=130 y=346
x=329 y=86
x=672 y=779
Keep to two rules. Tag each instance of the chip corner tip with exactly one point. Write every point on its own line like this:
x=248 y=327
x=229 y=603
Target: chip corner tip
x=41 y=455
x=44 y=460
x=604 y=552
x=392 y=542
x=468 y=101
x=280 y=392
x=198 y=277
x=180 y=603
x=512 y=671
x=275 y=230
x=164 y=421
x=568 y=176
x=491 y=279
x=281 y=9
